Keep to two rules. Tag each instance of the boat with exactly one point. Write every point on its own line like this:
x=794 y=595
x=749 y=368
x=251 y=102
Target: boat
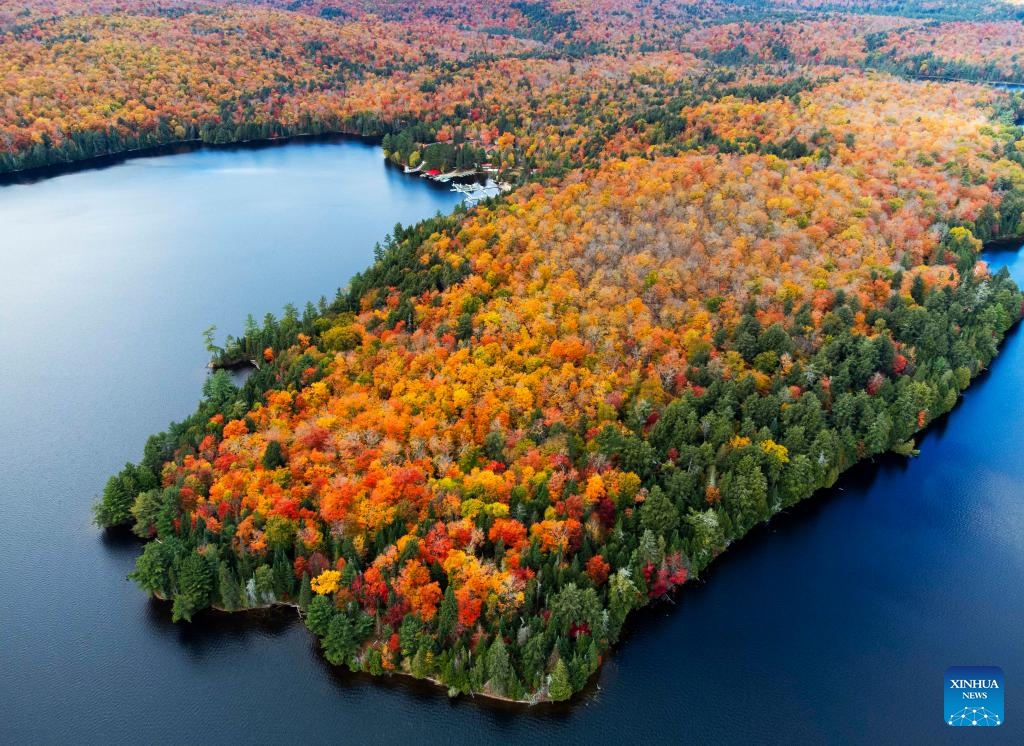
x=474 y=193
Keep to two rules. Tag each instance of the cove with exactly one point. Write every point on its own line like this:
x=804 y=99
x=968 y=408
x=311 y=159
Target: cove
x=835 y=622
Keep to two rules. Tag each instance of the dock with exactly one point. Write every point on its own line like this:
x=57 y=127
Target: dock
x=473 y=193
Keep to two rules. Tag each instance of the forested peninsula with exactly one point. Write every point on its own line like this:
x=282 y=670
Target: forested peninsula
x=741 y=256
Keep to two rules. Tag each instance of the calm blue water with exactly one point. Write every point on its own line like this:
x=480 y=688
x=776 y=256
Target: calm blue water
x=835 y=624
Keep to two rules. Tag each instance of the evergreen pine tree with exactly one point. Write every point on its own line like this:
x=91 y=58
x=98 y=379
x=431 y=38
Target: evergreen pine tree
x=559 y=689
x=499 y=667
x=230 y=592
x=284 y=576
x=447 y=615
x=305 y=592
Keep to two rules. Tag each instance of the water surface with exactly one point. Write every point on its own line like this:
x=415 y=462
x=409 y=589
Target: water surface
x=834 y=624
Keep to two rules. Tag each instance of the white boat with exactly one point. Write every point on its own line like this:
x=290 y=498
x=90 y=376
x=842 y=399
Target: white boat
x=476 y=192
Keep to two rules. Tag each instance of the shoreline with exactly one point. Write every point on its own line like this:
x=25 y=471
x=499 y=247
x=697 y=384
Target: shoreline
x=35 y=174
x=1015 y=243
x=1002 y=243
x=282 y=605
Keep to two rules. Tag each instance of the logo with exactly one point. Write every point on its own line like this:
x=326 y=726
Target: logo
x=974 y=695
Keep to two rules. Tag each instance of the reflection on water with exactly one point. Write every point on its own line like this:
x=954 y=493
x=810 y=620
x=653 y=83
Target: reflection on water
x=211 y=630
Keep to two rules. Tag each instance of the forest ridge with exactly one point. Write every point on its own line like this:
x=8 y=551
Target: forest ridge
x=740 y=255
x=83 y=79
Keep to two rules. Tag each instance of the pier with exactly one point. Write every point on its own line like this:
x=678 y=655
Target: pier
x=474 y=193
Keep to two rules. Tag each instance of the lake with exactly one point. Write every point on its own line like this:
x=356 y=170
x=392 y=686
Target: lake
x=835 y=623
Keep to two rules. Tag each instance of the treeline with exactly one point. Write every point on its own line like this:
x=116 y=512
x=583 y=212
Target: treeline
x=257 y=339
x=221 y=397
x=952 y=10
x=1006 y=222
x=86 y=144
x=416 y=146
x=327 y=325
x=399 y=265
x=733 y=456
x=931 y=65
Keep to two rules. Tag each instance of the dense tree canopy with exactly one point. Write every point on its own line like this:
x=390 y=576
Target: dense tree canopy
x=739 y=259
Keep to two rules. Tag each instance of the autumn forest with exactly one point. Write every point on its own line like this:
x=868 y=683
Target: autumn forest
x=737 y=254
